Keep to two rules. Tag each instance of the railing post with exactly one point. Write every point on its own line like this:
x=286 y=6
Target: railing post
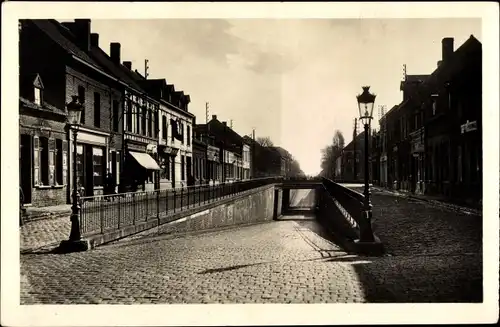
x=158 y=206
x=182 y=195
x=101 y=214
x=134 y=206
x=174 y=198
x=119 y=211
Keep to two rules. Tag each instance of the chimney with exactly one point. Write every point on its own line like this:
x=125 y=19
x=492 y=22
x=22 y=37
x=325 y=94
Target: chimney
x=447 y=48
x=81 y=29
x=94 y=39
x=439 y=63
x=214 y=117
x=128 y=64
x=224 y=123
x=114 y=52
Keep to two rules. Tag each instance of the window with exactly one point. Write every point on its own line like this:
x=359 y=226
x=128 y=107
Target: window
x=137 y=117
x=156 y=123
x=129 y=115
x=79 y=165
x=182 y=132
x=44 y=160
x=188 y=135
x=99 y=165
x=182 y=168
x=59 y=162
x=115 y=116
x=97 y=110
x=164 y=127
x=150 y=122
x=144 y=117
x=38 y=96
x=81 y=99
x=165 y=173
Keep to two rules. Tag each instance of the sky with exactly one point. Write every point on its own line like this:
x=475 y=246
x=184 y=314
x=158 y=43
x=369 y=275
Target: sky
x=293 y=80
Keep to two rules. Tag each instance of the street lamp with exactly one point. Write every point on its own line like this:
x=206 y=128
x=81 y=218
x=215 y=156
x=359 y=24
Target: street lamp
x=75 y=242
x=366 y=100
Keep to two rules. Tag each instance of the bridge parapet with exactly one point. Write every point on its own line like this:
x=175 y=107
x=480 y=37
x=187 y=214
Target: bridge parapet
x=341 y=209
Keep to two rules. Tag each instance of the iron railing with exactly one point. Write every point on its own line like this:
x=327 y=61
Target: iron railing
x=341 y=208
x=100 y=214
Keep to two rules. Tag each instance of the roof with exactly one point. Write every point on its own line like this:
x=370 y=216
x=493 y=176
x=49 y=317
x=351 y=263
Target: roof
x=350 y=146
x=117 y=70
x=283 y=153
x=63 y=37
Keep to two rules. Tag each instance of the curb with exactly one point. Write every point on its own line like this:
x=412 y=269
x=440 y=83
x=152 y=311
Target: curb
x=449 y=206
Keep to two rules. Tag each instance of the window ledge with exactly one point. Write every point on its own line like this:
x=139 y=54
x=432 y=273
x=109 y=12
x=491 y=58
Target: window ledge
x=46 y=187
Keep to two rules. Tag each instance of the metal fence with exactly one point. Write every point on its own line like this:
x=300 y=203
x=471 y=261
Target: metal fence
x=99 y=214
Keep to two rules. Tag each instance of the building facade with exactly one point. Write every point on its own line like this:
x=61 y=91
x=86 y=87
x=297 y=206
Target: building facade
x=56 y=64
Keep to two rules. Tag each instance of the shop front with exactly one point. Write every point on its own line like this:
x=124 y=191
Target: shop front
x=91 y=161
x=214 y=175
x=167 y=156
x=417 y=162
x=140 y=168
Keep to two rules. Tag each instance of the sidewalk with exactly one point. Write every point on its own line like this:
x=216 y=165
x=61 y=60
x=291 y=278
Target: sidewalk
x=433 y=254
x=436 y=200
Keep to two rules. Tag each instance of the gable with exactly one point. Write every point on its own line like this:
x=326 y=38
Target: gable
x=38 y=82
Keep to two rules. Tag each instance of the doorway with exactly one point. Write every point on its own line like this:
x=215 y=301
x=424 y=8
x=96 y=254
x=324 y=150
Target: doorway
x=189 y=174
x=173 y=172
x=25 y=159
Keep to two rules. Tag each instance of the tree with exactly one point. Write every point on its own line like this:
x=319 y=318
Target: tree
x=330 y=153
x=265 y=141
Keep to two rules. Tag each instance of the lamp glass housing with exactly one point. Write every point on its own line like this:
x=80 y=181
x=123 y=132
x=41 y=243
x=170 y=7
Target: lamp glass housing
x=74 y=111
x=366 y=102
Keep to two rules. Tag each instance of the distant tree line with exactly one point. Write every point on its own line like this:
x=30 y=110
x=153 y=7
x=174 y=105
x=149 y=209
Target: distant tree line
x=330 y=153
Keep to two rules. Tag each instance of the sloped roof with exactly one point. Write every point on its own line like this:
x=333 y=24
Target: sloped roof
x=117 y=70
x=63 y=37
x=350 y=146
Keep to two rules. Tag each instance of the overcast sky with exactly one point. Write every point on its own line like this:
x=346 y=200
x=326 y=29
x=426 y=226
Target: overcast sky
x=295 y=81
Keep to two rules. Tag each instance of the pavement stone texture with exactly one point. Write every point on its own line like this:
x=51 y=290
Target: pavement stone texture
x=435 y=255
x=275 y=262
x=44 y=233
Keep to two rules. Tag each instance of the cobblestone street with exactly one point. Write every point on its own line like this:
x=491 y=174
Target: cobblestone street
x=435 y=255
x=280 y=262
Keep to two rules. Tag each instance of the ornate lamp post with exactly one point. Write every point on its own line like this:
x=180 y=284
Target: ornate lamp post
x=366 y=100
x=75 y=242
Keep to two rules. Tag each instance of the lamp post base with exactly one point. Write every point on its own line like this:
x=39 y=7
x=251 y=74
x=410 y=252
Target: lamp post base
x=373 y=248
x=68 y=246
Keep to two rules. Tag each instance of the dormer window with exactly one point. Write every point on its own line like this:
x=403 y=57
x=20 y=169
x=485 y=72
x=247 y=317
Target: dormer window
x=38 y=96
x=37 y=90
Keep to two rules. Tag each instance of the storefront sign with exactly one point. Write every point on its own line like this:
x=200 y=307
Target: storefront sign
x=468 y=126
x=136 y=147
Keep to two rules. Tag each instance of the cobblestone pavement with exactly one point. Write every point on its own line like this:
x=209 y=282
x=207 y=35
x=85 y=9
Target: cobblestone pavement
x=275 y=262
x=435 y=256
x=436 y=253
x=44 y=233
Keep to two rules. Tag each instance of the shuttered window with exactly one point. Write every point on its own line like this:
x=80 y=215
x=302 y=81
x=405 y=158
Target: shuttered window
x=44 y=161
x=36 y=161
x=97 y=110
x=59 y=162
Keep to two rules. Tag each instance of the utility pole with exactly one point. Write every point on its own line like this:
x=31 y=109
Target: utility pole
x=206 y=112
x=146 y=68
x=253 y=153
x=404 y=72
x=355 y=133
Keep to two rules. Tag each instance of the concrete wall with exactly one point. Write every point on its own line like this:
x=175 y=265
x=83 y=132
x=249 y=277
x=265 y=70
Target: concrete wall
x=253 y=206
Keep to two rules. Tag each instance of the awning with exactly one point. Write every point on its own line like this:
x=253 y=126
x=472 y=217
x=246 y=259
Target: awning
x=145 y=160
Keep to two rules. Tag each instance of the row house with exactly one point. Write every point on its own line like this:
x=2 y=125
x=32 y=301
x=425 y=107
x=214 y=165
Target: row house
x=55 y=66
x=231 y=148
x=199 y=159
x=175 y=133
x=433 y=138
x=133 y=159
x=212 y=165
x=352 y=159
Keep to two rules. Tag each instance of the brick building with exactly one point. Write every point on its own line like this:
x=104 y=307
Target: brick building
x=353 y=155
x=175 y=133
x=55 y=64
x=433 y=138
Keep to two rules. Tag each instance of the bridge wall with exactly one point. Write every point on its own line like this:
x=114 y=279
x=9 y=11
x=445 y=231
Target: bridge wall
x=253 y=206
